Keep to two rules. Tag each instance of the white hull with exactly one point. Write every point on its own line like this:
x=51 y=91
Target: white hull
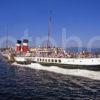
x=66 y=61
x=20 y=59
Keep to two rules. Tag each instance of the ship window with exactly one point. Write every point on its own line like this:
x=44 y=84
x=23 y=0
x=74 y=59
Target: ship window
x=40 y=59
x=48 y=60
x=37 y=59
x=55 y=60
x=52 y=60
x=59 y=61
x=45 y=60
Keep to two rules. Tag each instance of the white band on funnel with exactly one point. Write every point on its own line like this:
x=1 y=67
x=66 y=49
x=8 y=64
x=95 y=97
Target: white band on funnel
x=25 y=44
x=18 y=44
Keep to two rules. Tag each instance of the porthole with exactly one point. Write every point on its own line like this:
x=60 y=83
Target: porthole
x=37 y=59
x=55 y=60
x=59 y=61
x=45 y=60
x=52 y=60
x=48 y=60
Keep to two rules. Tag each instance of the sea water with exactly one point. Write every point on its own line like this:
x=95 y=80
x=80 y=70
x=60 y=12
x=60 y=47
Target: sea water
x=36 y=82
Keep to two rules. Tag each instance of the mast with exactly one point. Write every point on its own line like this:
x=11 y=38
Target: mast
x=7 y=40
x=49 y=32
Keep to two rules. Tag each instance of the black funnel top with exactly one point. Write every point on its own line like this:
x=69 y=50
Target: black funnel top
x=19 y=41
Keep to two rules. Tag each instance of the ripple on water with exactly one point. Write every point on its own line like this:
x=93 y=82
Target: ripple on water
x=26 y=83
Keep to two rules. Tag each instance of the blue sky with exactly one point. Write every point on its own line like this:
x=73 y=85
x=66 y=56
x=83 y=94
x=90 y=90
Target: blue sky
x=80 y=18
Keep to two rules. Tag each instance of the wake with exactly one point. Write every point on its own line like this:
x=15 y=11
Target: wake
x=75 y=72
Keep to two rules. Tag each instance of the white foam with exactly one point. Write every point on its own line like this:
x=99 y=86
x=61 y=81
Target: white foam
x=76 y=72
